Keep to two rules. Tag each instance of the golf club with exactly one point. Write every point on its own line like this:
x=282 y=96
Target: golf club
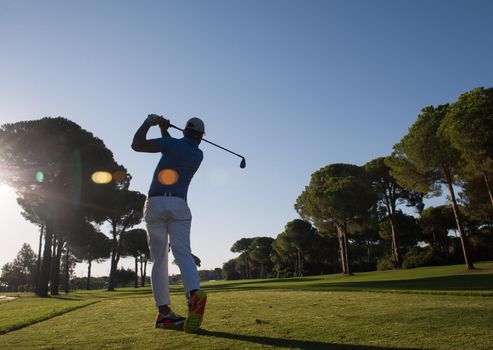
x=243 y=161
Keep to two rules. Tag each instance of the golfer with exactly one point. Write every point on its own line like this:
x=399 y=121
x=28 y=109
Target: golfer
x=168 y=217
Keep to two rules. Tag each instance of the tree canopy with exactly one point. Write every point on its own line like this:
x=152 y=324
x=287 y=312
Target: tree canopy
x=430 y=153
x=390 y=195
x=469 y=126
x=50 y=163
x=338 y=195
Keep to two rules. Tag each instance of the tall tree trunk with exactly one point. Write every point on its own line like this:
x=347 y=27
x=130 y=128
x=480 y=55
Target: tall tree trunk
x=141 y=270
x=341 y=233
x=136 y=282
x=115 y=257
x=111 y=280
x=396 y=252
x=88 y=282
x=44 y=276
x=143 y=275
x=458 y=220
x=67 y=270
x=55 y=278
x=487 y=180
x=341 y=250
x=345 y=241
x=114 y=262
x=38 y=264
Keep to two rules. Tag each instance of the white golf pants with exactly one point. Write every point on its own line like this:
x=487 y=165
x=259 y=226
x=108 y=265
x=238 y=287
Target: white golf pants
x=169 y=216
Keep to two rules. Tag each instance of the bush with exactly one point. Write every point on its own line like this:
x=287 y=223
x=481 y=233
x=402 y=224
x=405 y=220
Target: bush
x=386 y=263
x=124 y=277
x=417 y=257
x=79 y=283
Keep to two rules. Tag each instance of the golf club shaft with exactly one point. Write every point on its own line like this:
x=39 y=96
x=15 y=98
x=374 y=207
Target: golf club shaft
x=212 y=143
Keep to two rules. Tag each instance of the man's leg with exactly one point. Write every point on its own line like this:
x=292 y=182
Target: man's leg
x=157 y=229
x=158 y=246
x=180 y=245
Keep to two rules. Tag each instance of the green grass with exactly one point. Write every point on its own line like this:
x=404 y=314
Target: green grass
x=450 y=279
x=26 y=310
x=377 y=310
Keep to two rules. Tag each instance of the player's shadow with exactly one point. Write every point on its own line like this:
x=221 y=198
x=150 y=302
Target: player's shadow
x=292 y=343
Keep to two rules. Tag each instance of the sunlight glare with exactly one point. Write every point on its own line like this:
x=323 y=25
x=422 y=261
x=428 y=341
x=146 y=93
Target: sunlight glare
x=14 y=229
x=40 y=176
x=101 y=177
x=168 y=177
x=119 y=175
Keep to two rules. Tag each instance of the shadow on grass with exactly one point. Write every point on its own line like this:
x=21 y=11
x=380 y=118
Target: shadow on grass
x=455 y=284
x=29 y=322
x=102 y=294
x=292 y=343
x=67 y=297
x=443 y=283
x=130 y=292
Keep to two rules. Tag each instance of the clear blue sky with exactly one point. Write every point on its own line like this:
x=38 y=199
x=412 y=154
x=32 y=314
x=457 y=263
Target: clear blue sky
x=292 y=85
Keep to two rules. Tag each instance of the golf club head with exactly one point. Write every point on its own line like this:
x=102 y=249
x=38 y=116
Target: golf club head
x=243 y=163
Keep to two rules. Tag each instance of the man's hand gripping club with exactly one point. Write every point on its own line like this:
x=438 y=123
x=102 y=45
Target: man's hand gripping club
x=140 y=142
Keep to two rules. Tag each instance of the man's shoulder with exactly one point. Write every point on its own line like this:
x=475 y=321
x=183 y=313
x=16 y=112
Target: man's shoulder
x=170 y=138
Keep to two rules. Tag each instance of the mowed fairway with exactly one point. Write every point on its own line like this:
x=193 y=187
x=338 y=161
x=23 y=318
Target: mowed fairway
x=291 y=313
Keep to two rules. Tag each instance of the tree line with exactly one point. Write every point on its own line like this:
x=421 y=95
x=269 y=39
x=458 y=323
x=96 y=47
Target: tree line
x=352 y=217
x=20 y=275
x=51 y=164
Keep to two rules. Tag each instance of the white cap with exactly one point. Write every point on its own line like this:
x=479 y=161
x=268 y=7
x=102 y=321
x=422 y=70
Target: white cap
x=195 y=124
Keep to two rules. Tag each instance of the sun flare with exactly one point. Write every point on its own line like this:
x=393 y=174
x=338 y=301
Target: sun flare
x=6 y=193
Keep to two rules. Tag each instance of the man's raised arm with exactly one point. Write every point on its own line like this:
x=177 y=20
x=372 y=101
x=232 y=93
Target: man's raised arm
x=140 y=142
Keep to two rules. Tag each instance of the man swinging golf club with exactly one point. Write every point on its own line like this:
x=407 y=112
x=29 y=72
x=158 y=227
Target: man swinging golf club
x=166 y=214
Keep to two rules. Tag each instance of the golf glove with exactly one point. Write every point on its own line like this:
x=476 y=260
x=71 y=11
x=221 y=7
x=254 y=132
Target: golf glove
x=164 y=123
x=153 y=119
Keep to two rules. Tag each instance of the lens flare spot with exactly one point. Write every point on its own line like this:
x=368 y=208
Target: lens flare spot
x=119 y=175
x=39 y=176
x=168 y=177
x=101 y=177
